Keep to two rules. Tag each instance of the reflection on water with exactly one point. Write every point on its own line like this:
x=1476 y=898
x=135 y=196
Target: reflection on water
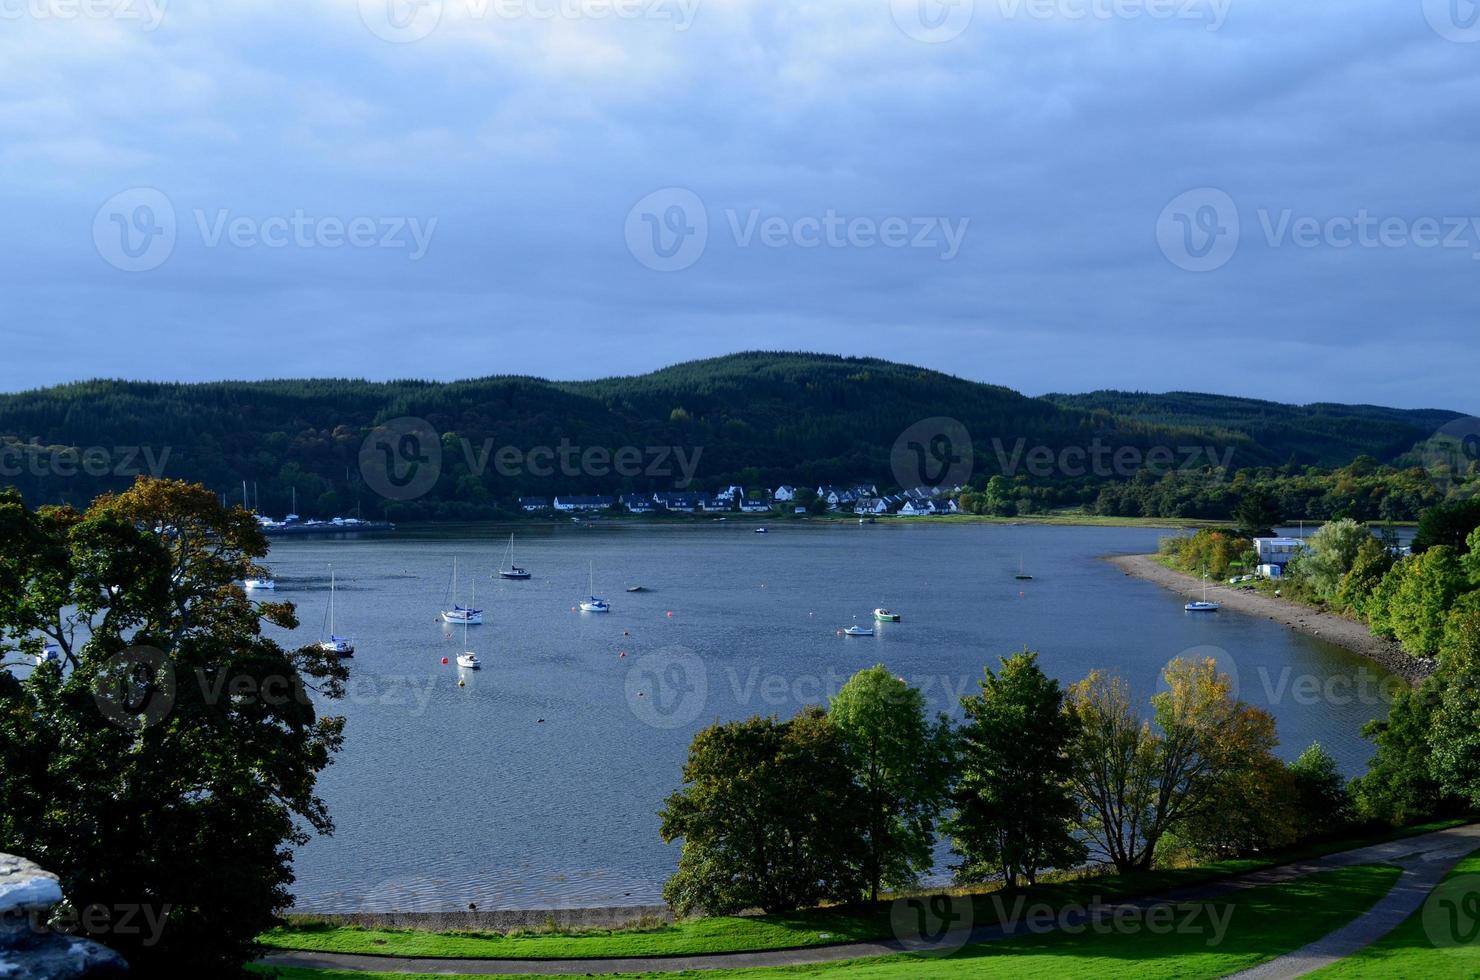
x=537 y=784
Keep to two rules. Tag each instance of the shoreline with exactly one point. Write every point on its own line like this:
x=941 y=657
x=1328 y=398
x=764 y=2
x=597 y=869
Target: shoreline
x=1346 y=633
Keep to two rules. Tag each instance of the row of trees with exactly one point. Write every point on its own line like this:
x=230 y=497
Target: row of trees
x=835 y=804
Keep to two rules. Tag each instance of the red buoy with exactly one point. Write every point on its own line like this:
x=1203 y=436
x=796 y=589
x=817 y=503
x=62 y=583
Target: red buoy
x=444 y=661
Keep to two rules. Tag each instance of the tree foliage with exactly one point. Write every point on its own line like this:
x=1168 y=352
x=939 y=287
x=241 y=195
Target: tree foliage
x=1014 y=812
x=769 y=818
x=184 y=797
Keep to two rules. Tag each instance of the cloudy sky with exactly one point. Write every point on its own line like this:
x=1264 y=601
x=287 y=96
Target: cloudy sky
x=1246 y=196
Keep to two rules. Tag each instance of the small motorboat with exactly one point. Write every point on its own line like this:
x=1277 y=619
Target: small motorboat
x=469 y=660
x=856 y=630
x=885 y=616
x=761 y=530
x=50 y=654
x=261 y=585
x=636 y=588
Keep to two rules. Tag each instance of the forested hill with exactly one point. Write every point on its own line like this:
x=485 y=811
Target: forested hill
x=761 y=419
x=1322 y=433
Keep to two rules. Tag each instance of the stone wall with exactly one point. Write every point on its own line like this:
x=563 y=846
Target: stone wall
x=500 y=920
x=27 y=948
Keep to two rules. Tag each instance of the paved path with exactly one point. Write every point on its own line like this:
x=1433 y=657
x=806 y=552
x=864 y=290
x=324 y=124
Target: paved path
x=1425 y=860
x=1422 y=871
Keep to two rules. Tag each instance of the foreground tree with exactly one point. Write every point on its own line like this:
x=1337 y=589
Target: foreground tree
x=901 y=764
x=1014 y=813
x=1135 y=784
x=1398 y=786
x=1333 y=552
x=177 y=778
x=1447 y=524
x=1414 y=598
x=1321 y=796
x=769 y=817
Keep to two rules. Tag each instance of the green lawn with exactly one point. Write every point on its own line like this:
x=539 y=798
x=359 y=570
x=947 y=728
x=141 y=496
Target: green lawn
x=1408 y=951
x=740 y=933
x=1261 y=923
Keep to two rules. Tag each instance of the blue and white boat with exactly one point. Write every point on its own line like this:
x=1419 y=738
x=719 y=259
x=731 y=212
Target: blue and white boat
x=1202 y=605
x=338 y=645
x=50 y=654
x=464 y=615
x=594 y=603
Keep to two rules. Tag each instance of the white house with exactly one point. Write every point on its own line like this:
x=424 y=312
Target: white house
x=784 y=494
x=915 y=508
x=754 y=505
x=531 y=504
x=871 y=505
x=1279 y=551
x=584 y=503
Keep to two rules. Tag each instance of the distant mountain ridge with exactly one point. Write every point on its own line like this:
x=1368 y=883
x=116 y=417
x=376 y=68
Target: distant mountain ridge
x=761 y=419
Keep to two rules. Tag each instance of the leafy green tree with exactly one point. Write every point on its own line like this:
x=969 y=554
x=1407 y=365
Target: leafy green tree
x=178 y=778
x=1333 y=552
x=1373 y=560
x=1014 y=812
x=1256 y=514
x=1447 y=524
x=901 y=765
x=1414 y=599
x=1322 y=800
x=769 y=817
x=1398 y=786
x=1135 y=784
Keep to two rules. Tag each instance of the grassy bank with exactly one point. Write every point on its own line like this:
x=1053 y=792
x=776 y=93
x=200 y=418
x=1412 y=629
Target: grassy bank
x=1409 y=950
x=1187 y=943
x=722 y=934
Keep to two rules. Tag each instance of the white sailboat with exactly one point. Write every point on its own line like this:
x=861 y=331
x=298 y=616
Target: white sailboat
x=1202 y=605
x=509 y=569
x=466 y=615
x=468 y=658
x=261 y=585
x=335 y=644
x=594 y=604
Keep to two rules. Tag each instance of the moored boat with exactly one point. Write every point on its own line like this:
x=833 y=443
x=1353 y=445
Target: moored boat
x=885 y=616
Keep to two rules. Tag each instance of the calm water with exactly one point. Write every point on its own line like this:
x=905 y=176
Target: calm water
x=446 y=795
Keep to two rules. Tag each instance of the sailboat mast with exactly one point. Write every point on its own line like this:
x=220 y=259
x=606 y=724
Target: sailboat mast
x=331 y=601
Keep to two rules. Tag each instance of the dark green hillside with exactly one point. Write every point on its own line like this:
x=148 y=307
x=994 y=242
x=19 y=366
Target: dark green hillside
x=1320 y=434
x=756 y=419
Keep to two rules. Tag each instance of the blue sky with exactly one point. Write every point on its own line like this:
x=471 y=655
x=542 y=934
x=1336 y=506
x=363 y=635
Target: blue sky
x=1246 y=196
